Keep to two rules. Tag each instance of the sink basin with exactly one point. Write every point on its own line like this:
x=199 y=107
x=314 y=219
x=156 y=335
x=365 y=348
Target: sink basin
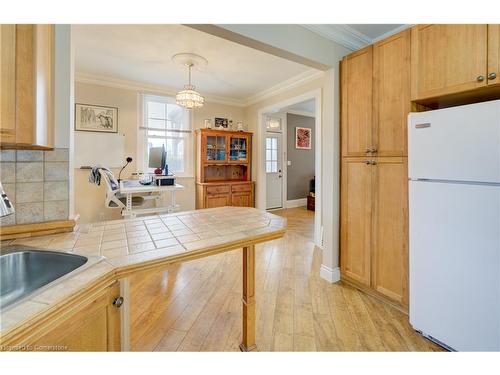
x=26 y=270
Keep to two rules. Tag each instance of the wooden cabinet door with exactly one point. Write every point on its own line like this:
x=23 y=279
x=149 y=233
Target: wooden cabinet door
x=94 y=327
x=217 y=200
x=35 y=85
x=390 y=229
x=7 y=83
x=391 y=94
x=447 y=59
x=357 y=102
x=242 y=199
x=355 y=227
x=44 y=67
x=493 y=54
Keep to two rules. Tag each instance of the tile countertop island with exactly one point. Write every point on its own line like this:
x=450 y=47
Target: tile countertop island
x=134 y=245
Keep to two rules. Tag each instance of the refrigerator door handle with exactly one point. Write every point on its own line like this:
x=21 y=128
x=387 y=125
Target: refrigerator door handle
x=422 y=126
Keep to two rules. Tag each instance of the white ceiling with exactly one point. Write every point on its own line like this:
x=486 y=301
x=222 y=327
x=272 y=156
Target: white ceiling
x=142 y=54
x=356 y=36
x=306 y=108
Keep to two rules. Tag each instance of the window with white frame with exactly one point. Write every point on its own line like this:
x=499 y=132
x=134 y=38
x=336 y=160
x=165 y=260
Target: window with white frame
x=168 y=124
x=271 y=155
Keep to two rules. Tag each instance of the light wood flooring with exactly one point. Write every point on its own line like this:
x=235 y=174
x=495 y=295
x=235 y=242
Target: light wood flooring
x=196 y=306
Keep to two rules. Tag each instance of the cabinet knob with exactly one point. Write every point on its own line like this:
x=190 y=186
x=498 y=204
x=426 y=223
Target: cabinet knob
x=492 y=75
x=118 y=302
x=480 y=78
x=367 y=162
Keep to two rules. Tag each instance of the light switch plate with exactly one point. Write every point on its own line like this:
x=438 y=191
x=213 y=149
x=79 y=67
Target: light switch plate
x=288 y=162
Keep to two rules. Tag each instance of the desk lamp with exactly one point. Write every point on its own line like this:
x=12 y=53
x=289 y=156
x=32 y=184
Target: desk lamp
x=128 y=161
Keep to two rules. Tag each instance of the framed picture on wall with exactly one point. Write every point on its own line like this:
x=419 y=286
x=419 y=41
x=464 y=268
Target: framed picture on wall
x=96 y=118
x=303 y=138
x=221 y=122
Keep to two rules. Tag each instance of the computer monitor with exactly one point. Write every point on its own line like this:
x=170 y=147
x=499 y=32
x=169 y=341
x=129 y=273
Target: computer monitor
x=157 y=157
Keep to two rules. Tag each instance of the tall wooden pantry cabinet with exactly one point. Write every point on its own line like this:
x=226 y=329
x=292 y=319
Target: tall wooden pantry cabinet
x=375 y=90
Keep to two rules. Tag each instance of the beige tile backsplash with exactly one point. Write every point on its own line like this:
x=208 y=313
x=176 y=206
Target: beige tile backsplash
x=37 y=183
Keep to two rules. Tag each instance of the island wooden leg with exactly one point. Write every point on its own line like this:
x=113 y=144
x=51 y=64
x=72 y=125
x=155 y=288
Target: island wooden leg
x=248 y=343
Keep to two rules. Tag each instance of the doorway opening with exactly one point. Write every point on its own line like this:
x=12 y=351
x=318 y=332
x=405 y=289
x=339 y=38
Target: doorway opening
x=275 y=179
x=289 y=146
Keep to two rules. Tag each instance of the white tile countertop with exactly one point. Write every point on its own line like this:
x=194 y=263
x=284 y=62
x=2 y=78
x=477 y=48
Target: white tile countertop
x=130 y=245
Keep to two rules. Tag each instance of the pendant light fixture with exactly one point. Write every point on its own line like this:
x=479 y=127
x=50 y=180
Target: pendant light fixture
x=189 y=97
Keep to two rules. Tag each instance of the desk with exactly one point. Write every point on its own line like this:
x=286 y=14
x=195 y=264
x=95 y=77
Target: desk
x=130 y=187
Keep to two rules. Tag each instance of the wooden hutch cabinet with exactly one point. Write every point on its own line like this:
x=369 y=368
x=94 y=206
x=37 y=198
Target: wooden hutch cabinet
x=223 y=171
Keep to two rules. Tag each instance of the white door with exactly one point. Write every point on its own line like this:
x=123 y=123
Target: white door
x=274 y=169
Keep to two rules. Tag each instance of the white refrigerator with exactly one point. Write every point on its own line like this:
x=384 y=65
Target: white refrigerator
x=454 y=228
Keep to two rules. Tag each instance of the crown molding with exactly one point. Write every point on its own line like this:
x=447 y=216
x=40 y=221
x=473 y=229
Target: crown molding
x=348 y=36
x=300 y=113
x=392 y=32
x=144 y=87
x=298 y=80
x=289 y=84
x=342 y=34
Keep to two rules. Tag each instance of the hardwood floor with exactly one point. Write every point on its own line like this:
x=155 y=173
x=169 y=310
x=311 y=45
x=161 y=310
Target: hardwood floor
x=196 y=306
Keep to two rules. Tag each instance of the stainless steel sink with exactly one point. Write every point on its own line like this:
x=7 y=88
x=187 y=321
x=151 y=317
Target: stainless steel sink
x=25 y=270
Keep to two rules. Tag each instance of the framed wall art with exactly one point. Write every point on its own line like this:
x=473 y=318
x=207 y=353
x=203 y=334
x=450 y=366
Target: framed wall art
x=96 y=118
x=303 y=138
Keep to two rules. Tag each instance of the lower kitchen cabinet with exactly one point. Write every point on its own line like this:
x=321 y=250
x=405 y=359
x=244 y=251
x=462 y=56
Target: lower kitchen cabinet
x=390 y=229
x=374 y=227
x=93 y=327
x=355 y=226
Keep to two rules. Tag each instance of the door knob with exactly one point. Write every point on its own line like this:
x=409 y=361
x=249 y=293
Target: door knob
x=118 y=302
x=480 y=78
x=492 y=75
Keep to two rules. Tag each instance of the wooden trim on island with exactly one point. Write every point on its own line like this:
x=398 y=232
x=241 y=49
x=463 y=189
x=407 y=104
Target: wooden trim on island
x=36 y=229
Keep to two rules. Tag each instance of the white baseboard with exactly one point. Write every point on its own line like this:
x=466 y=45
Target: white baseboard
x=329 y=274
x=296 y=203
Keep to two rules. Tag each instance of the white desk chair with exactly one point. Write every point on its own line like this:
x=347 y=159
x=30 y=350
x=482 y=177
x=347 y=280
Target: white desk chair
x=114 y=199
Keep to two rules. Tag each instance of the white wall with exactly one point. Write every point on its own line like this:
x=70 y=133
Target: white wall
x=89 y=198
x=296 y=42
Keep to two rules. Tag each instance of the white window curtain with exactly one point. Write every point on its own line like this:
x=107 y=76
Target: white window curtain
x=168 y=124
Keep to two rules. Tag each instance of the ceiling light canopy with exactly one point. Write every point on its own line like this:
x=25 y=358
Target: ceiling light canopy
x=189 y=97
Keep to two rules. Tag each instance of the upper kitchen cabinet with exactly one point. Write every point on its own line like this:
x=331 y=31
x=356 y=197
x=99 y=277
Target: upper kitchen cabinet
x=7 y=83
x=391 y=94
x=448 y=59
x=27 y=87
x=357 y=98
x=493 y=54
